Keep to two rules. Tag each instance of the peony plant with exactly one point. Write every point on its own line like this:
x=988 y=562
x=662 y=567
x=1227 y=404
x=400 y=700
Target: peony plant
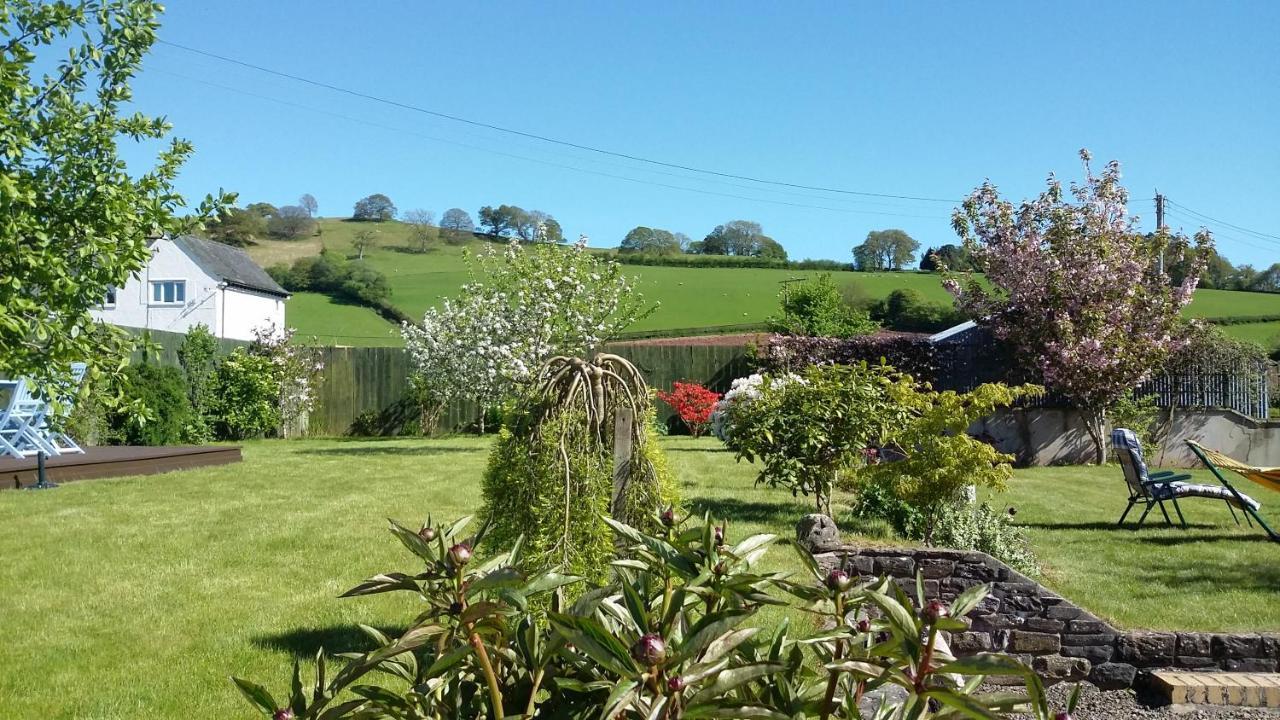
x=668 y=638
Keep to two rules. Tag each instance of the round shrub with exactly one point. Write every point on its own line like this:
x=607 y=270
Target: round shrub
x=246 y=396
x=165 y=411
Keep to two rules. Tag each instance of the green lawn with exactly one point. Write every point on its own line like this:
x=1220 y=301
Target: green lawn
x=1266 y=334
x=328 y=321
x=136 y=597
x=688 y=297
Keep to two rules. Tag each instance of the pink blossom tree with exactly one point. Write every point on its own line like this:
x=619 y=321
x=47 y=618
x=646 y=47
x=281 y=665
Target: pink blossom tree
x=1077 y=290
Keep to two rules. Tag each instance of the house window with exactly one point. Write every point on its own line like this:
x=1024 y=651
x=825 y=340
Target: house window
x=168 y=292
x=110 y=300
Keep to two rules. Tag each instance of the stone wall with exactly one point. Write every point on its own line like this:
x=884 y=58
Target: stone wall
x=1057 y=638
x=1056 y=436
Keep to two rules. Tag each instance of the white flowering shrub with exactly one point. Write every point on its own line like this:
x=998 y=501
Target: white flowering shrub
x=523 y=305
x=741 y=392
x=297 y=372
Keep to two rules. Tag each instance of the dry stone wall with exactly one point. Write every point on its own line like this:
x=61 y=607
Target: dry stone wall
x=1057 y=638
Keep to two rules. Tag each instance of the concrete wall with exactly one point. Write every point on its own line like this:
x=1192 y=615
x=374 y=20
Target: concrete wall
x=1057 y=436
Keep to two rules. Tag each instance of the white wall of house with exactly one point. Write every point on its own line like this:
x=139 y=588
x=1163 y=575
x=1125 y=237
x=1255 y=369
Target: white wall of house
x=229 y=312
x=135 y=305
x=243 y=310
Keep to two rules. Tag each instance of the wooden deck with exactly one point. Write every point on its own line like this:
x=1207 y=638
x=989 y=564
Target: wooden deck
x=115 y=461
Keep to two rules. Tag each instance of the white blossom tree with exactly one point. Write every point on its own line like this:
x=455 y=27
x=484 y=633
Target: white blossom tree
x=523 y=305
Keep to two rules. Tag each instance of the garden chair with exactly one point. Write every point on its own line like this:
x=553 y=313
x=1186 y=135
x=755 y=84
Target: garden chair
x=19 y=435
x=1155 y=489
x=61 y=443
x=1266 y=477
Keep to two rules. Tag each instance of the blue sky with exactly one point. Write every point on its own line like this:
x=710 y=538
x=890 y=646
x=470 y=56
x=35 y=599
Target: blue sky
x=923 y=99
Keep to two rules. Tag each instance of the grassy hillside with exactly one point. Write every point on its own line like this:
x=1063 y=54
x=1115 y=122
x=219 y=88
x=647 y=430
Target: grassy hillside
x=688 y=297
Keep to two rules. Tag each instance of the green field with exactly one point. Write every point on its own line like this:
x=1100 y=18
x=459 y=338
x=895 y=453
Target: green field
x=137 y=597
x=687 y=297
x=1266 y=334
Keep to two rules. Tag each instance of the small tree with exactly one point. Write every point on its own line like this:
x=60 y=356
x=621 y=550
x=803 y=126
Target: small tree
x=363 y=240
x=523 y=305
x=938 y=457
x=457 y=226
x=817 y=308
x=885 y=249
x=1075 y=288
x=693 y=404
x=811 y=434
x=197 y=354
x=76 y=221
x=308 y=202
x=291 y=222
x=422 y=228
x=376 y=208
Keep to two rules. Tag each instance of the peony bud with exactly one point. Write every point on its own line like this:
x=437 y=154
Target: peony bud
x=864 y=625
x=1062 y=716
x=283 y=714
x=669 y=516
x=935 y=610
x=675 y=684
x=649 y=650
x=460 y=554
x=838 y=580
x=721 y=568
x=427 y=533
x=719 y=535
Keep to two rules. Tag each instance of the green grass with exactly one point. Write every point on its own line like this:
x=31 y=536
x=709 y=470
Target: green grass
x=333 y=322
x=1266 y=334
x=137 y=597
x=1214 y=576
x=688 y=297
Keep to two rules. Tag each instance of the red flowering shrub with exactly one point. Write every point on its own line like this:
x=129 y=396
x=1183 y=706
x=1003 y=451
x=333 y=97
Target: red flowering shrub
x=693 y=405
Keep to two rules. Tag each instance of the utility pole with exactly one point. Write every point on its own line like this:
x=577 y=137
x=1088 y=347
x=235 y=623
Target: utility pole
x=1159 y=227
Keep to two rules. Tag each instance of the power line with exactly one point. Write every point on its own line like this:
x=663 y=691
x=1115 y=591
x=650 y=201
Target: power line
x=535 y=136
x=1224 y=222
x=1218 y=232
x=550 y=163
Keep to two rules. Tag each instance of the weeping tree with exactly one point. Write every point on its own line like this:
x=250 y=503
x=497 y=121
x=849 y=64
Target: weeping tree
x=580 y=448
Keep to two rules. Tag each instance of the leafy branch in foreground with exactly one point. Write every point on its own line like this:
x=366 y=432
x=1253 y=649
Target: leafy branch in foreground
x=666 y=639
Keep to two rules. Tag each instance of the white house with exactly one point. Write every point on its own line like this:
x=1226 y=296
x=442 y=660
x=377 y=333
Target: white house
x=188 y=281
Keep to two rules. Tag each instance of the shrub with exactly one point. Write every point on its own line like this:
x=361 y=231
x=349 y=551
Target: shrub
x=810 y=434
x=817 y=308
x=197 y=356
x=980 y=527
x=164 y=415
x=938 y=459
x=550 y=477
x=906 y=309
x=693 y=404
x=741 y=392
x=667 y=638
x=1142 y=416
x=245 y=396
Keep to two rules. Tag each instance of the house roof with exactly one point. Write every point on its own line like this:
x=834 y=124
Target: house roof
x=952 y=332
x=231 y=265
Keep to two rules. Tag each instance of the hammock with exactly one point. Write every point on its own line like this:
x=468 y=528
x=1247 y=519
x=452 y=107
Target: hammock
x=1266 y=477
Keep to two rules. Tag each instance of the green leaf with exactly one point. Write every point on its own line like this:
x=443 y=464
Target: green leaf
x=733 y=677
x=986 y=664
x=734 y=712
x=447 y=661
x=297 y=701
x=257 y=695
x=966 y=601
x=501 y=577
x=619 y=699
x=549 y=581
x=899 y=617
x=600 y=645
x=966 y=705
x=389 y=582
x=727 y=642
x=707 y=629
x=661 y=548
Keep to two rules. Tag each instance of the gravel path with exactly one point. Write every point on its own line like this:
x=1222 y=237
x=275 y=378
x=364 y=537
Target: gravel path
x=1123 y=705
